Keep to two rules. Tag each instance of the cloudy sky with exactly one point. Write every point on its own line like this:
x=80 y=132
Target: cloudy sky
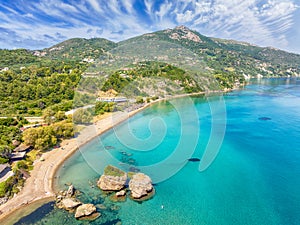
x=36 y=24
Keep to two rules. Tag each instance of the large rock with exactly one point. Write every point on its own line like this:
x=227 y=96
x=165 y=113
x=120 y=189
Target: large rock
x=113 y=179
x=69 y=203
x=140 y=185
x=85 y=210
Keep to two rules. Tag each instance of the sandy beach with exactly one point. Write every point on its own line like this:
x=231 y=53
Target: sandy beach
x=40 y=185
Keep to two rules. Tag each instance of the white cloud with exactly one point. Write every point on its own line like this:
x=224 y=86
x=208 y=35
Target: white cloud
x=239 y=19
x=185 y=17
x=164 y=9
x=95 y=5
x=149 y=6
x=264 y=22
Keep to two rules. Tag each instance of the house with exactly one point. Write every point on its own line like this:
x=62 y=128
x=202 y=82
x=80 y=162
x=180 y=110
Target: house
x=5 y=69
x=20 y=152
x=5 y=172
x=23 y=148
x=16 y=156
x=112 y=99
x=4 y=169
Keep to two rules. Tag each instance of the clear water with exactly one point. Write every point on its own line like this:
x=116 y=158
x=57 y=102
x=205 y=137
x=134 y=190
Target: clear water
x=255 y=178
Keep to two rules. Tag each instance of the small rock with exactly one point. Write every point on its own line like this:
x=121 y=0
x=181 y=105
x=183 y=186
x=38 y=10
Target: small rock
x=70 y=204
x=59 y=198
x=71 y=191
x=85 y=210
x=121 y=193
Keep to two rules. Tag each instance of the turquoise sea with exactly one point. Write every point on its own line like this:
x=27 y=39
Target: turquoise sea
x=254 y=178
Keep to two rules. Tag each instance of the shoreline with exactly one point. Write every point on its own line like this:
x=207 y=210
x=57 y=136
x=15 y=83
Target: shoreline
x=40 y=186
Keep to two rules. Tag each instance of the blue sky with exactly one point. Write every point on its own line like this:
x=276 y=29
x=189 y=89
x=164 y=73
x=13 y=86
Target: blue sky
x=36 y=24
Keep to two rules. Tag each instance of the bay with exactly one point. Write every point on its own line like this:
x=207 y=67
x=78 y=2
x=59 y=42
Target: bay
x=254 y=178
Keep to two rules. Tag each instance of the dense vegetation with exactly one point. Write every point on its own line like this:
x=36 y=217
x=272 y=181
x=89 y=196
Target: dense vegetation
x=9 y=131
x=120 y=80
x=19 y=57
x=79 y=48
x=30 y=90
x=11 y=185
x=43 y=138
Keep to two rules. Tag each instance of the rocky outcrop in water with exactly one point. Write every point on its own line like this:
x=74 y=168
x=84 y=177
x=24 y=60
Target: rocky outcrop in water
x=113 y=179
x=67 y=200
x=141 y=186
x=85 y=210
x=70 y=204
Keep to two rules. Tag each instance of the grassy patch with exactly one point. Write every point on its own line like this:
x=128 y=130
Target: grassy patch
x=3 y=189
x=113 y=171
x=33 y=154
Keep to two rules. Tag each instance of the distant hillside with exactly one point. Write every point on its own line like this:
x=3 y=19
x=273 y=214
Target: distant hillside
x=77 y=49
x=17 y=57
x=227 y=55
x=268 y=54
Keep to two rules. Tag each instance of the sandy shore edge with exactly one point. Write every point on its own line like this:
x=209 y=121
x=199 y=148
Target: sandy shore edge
x=40 y=185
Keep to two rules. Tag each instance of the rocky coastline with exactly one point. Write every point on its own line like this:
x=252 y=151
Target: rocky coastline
x=115 y=184
x=114 y=180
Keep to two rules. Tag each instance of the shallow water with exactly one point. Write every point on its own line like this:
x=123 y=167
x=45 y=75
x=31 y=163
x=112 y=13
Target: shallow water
x=253 y=180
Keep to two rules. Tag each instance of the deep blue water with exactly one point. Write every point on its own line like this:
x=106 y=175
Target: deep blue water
x=254 y=178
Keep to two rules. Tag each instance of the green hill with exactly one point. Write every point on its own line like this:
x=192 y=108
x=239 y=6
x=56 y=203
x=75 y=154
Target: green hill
x=227 y=55
x=78 y=49
x=162 y=63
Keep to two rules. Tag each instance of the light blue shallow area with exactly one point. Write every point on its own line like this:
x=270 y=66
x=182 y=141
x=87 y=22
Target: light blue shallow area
x=255 y=178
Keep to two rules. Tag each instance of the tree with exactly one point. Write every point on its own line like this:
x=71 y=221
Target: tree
x=48 y=115
x=83 y=116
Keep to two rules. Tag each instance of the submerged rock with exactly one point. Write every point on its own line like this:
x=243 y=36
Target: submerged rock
x=134 y=169
x=113 y=179
x=109 y=147
x=140 y=186
x=194 y=160
x=85 y=210
x=264 y=118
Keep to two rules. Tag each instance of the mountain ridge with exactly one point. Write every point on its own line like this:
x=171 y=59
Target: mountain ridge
x=267 y=61
x=219 y=54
